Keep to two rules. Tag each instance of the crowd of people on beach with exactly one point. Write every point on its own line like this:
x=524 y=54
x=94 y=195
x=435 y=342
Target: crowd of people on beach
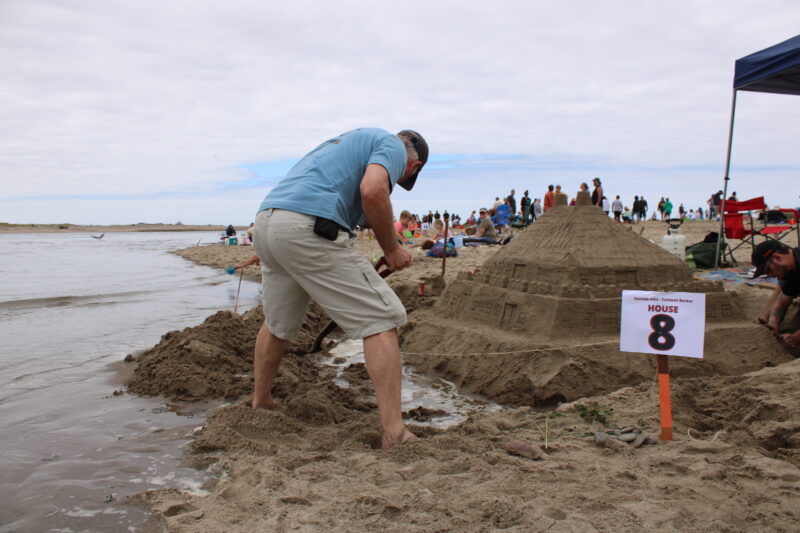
x=507 y=212
x=485 y=225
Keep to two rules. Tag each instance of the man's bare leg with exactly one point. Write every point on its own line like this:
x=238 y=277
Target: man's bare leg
x=266 y=361
x=382 y=354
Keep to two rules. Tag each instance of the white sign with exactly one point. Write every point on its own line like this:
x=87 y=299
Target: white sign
x=669 y=323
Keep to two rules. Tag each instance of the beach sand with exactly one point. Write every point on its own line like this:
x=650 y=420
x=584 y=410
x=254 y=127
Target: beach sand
x=313 y=464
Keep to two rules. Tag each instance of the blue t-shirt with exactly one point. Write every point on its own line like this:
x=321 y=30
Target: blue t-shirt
x=503 y=214
x=325 y=183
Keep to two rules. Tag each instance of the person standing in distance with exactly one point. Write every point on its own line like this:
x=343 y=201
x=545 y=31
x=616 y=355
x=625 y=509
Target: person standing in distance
x=549 y=198
x=616 y=207
x=597 y=193
x=304 y=238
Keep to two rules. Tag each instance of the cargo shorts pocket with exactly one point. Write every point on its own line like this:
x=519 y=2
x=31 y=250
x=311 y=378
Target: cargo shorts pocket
x=379 y=287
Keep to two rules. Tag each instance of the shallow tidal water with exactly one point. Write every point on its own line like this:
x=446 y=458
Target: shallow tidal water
x=71 y=308
x=419 y=390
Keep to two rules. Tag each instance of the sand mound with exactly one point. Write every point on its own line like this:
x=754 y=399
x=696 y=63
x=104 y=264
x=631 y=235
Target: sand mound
x=757 y=410
x=215 y=359
x=514 y=371
x=311 y=465
x=563 y=276
x=538 y=323
x=282 y=471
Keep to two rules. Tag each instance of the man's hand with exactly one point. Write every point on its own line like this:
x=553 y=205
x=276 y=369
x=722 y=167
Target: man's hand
x=792 y=339
x=398 y=259
x=770 y=325
x=252 y=260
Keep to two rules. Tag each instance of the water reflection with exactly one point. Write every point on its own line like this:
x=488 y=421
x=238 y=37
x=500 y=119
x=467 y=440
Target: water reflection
x=443 y=404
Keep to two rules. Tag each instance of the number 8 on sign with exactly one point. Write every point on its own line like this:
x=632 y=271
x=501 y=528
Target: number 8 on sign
x=664 y=323
x=661 y=325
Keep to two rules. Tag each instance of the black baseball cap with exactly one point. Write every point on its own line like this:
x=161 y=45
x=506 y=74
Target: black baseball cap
x=422 y=151
x=763 y=252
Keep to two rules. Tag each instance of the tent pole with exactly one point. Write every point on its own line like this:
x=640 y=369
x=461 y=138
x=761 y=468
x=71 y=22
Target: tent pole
x=725 y=185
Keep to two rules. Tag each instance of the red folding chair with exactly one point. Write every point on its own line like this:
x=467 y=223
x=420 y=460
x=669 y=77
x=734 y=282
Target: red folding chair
x=735 y=225
x=781 y=230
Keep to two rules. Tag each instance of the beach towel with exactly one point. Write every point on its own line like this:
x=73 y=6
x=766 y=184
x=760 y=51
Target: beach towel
x=438 y=250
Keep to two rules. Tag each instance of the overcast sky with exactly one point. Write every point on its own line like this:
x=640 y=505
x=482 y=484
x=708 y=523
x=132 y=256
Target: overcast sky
x=121 y=112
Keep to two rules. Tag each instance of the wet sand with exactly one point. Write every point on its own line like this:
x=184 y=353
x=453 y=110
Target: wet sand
x=313 y=464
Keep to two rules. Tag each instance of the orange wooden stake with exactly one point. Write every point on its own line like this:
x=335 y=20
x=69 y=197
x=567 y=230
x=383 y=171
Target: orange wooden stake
x=663 y=397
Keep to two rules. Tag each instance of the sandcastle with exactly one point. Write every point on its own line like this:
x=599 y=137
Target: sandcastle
x=564 y=276
x=540 y=317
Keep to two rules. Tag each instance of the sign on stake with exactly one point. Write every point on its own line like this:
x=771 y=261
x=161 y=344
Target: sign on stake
x=663 y=323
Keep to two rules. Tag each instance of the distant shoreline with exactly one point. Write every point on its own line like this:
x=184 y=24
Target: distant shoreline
x=119 y=228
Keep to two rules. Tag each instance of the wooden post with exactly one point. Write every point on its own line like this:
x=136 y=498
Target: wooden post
x=236 y=305
x=663 y=396
x=444 y=248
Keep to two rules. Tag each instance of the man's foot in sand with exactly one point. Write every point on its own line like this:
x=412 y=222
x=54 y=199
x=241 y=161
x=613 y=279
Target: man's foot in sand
x=389 y=441
x=266 y=403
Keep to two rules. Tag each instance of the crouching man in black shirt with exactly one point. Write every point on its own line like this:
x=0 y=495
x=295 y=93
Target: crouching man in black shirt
x=779 y=261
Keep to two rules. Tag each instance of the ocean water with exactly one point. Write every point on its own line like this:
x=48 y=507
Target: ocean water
x=71 y=308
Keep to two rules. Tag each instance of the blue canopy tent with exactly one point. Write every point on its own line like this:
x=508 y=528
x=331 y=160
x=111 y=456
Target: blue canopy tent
x=773 y=70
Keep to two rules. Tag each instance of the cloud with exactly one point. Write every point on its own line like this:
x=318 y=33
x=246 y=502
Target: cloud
x=119 y=100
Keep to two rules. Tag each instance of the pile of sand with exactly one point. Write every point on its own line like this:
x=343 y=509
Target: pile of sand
x=538 y=323
x=215 y=359
x=312 y=464
x=300 y=469
x=515 y=371
x=759 y=410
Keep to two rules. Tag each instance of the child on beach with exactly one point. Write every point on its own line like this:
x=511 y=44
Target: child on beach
x=438 y=227
x=401 y=226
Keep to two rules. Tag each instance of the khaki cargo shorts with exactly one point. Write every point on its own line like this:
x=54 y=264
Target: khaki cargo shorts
x=297 y=264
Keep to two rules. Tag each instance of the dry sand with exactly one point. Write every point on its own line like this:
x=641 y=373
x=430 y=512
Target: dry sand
x=313 y=465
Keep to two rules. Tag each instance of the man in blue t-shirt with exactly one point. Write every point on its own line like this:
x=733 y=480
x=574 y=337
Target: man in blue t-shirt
x=778 y=260
x=304 y=237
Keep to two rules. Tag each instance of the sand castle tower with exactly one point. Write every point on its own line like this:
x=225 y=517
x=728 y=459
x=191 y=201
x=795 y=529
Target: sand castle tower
x=556 y=290
x=566 y=272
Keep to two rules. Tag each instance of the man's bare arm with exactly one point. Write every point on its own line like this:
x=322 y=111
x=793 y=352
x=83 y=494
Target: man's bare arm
x=778 y=311
x=253 y=259
x=378 y=210
x=764 y=317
